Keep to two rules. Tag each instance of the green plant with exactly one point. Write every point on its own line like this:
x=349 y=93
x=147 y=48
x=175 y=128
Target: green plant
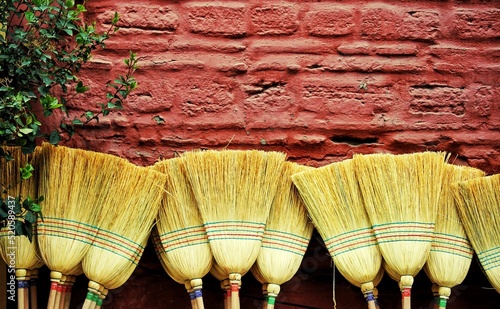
x=43 y=45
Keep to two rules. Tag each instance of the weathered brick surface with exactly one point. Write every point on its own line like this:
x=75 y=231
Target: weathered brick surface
x=319 y=80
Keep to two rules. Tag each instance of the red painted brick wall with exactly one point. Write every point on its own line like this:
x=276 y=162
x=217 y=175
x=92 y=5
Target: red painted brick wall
x=318 y=80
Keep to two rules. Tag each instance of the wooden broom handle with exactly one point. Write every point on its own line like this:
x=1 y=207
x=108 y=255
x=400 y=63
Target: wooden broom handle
x=33 y=289
x=199 y=299
x=235 y=296
x=52 y=295
x=227 y=298
x=406 y=298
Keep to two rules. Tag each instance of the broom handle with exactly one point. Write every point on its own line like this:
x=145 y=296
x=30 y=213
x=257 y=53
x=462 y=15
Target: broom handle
x=442 y=303
x=227 y=299
x=370 y=299
x=52 y=295
x=199 y=299
x=33 y=291
x=235 y=296
x=192 y=297
x=22 y=295
x=406 y=298
x=57 y=300
x=89 y=303
x=271 y=301
x=67 y=296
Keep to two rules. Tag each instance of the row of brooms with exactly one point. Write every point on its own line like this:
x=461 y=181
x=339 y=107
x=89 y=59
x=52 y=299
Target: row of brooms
x=230 y=212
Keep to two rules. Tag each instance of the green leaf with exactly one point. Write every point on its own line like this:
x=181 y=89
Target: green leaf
x=30 y=217
x=26 y=171
x=77 y=122
x=30 y=16
x=19 y=228
x=54 y=137
x=69 y=3
x=26 y=130
x=80 y=88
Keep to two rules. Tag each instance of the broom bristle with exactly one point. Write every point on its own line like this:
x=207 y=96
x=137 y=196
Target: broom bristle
x=129 y=206
x=27 y=256
x=479 y=211
x=234 y=191
x=183 y=240
x=401 y=194
x=451 y=252
x=70 y=181
x=335 y=204
x=285 y=240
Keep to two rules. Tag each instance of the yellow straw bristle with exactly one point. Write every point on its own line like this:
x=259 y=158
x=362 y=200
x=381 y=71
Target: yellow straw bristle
x=451 y=252
x=183 y=240
x=285 y=241
x=334 y=202
x=129 y=207
x=234 y=191
x=184 y=243
x=401 y=193
x=478 y=205
x=26 y=254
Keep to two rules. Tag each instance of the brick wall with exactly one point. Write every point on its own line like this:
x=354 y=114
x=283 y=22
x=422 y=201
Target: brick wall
x=318 y=80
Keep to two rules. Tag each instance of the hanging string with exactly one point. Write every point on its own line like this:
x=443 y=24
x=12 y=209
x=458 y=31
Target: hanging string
x=334 y=297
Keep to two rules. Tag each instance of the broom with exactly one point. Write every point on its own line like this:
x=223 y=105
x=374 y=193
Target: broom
x=401 y=194
x=334 y=202
x=451 y=253
x=184 y=242
x=71 y=181
x=234 y=191
x=286 y=236
x=155 y=238
x=478 y=206
x=129 y=205
x=225 y=285
x=259 y=277
x=19 y=249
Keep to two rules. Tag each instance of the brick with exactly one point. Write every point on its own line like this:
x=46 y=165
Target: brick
x=397 y=50
x=277 y=63
x=133 y=16
x=438 y=99
x=420 y=25
x=187 y=45
x=482 y=100
x=217 y=19
x=274 y=19
x=330 y=21
x=341 y=103
x=351 y=49
x=477 y=24
x=371 y=64
x=152 y=96
x=296 y=46
x=174 y=64
x=269 y=105
x=380 y=21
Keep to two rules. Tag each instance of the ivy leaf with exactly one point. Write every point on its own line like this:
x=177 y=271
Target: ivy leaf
x=26 y=171
x=30 y=217
x=19 y=228
x=54 y=137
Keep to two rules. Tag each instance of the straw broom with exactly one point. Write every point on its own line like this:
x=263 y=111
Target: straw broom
x=478 y=206
x=286 y=236
x=155 y=238
x=129 y=206
x=19 y=248
x=334 y=202
x=401 y=194
x=451 y=252
x=234 y=191
x=184 y=242
x=225 y=285
x=71 y=181
x=256 y=272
